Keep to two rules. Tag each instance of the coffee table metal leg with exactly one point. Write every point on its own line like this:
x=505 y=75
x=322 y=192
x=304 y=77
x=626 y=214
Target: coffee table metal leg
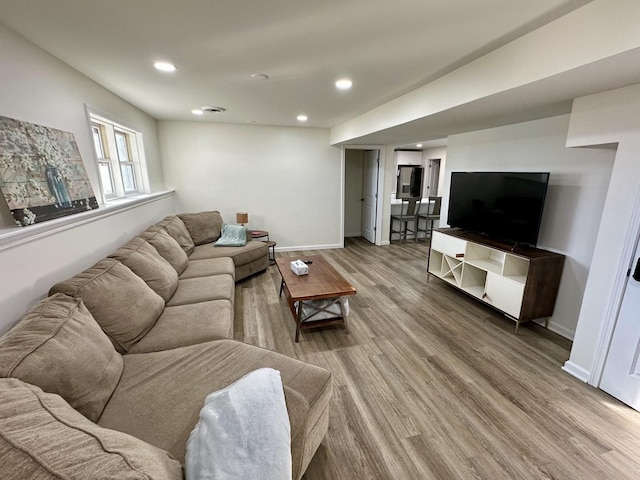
x=281 y=287
x=298 y=321
x=344 y=318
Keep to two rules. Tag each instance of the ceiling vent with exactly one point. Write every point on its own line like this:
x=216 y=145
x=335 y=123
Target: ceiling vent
x=213 y=109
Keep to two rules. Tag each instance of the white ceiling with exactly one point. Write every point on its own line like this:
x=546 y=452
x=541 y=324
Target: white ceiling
x=386 y=47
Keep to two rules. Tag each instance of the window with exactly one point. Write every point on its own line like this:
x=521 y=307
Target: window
x=120 y=158
x=126 y=165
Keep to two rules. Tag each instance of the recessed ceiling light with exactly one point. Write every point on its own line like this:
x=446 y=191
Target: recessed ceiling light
x=165 y=67
x=197 y=111
x=302 y=118
x=260 y=76
x=418 y=145
x=344 y=84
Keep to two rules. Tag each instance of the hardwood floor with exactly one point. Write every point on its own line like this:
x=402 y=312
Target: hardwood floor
x=430 y=384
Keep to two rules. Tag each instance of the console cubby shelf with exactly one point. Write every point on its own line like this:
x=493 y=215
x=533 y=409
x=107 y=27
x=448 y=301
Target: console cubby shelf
x=521 y=282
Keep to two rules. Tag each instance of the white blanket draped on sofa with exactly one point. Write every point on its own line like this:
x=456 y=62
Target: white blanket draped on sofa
x=243 y=432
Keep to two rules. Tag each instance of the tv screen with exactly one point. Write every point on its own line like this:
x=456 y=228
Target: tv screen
x=504 y=205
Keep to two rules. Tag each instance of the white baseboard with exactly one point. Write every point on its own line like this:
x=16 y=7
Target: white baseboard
x=358 y=234
x=576 y=371
x=308 y=247
x=561 y=330
x=385 y=242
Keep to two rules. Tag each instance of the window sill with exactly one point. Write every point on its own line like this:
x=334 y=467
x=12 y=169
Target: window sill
x=14 y=236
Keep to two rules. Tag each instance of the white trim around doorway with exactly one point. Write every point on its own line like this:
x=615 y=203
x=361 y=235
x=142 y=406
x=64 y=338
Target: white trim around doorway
x=381 y=166
x=615 y=300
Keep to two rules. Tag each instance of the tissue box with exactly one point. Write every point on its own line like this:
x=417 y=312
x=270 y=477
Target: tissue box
x=299 y=267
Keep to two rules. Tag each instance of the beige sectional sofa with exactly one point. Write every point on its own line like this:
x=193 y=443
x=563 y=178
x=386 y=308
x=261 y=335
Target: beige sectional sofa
x=106 y=377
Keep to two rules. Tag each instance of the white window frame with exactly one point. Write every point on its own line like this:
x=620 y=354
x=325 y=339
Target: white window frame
x=99 y=148
x=109 y=155
x=124 y=163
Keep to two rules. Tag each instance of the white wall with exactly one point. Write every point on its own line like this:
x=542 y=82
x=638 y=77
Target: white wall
x=28 y=270
x=38 y=88
x=577 y=188
x=353 y=178
x=608 y=118
x=386 y=189
x=289 y=180
x=599 y=30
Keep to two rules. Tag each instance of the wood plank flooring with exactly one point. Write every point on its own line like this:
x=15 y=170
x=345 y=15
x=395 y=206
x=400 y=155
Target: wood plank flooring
x=430 y=384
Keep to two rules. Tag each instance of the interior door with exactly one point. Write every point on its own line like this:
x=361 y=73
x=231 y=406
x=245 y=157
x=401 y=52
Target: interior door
x=370 y=195
x=621 y=375
x=433 y=173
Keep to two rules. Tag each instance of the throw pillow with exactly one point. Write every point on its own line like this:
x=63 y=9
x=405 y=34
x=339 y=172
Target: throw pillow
x=122 y=304
x=243 y=432
x=204 y=227
x=59 y=347
x=145 y=261
x=168 y=248
x=176 y=228
x=42 y=437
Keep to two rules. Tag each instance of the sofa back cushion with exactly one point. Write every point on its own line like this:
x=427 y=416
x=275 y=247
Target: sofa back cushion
x=176 y=228
x=204 y=227
x=42 y=437
x=167 y=247
x=122 y=304
x=59 y=347
x=145 y=261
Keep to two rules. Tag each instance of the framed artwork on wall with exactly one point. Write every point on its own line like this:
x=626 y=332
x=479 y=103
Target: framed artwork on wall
x=42 y=175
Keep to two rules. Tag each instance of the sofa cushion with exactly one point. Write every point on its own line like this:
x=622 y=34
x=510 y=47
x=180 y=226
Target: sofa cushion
x=252 y=251
x=204 y=227
x=175 y=227
x=200 y=370
x=145 y=261
x=208 y=267
x=203 y=289
x=248 y=269
x=59 y=347
x=167 y=247
x=191 y=324
x=43 y=438
x=124 y=306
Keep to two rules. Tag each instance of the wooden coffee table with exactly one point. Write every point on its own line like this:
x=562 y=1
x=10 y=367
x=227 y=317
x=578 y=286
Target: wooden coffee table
x=322 y=282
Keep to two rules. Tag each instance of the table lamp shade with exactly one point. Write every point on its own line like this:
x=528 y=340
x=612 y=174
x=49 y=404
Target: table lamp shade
x=242 y=218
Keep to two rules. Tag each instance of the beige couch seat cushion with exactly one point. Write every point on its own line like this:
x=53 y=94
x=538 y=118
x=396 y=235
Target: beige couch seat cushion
x=145 y=261
x=59 y=347
x=175 y=227
x=190 y=324
x=209 y=267
x=43 y=438
x=167 y=247
x=203 y=289
x=204 y=227
x=199 y=370
x=122 y=304
x=252 y=251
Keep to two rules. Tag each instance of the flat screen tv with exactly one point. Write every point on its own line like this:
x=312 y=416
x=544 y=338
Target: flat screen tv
x=503 y=205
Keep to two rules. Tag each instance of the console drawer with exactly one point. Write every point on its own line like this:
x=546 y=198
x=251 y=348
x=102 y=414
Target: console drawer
x=452 y=246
